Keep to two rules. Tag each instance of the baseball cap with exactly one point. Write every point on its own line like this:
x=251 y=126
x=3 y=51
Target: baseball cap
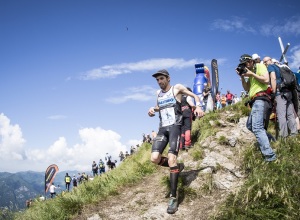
x=245 y=57
x=275 y=61
x=255 y=56
x=161 y=72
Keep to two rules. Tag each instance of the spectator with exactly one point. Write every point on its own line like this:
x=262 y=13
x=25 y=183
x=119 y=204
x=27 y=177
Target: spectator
x=236 y=99
x=223 y=101
x=42 y=198
x=107 y=157
x=67 y=181
x=256 y=85
x=121 y=156
x=229 y=97
x=256 y=58
x=52 y=190
x=28 y=203
x=218 y=101
x=144 y=138
x=79 y=178
x=205 y=93
x=148 y=138
x=101 y=166
x=127 y=154
x=95 y=169
x=154 y=134
x=132 y=149
x=283 y=97
x=74 y=181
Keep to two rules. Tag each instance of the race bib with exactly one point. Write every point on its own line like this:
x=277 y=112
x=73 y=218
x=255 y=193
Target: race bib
x=167 y=116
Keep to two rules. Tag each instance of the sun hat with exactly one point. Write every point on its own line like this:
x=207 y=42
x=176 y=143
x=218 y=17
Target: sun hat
x=255 y=56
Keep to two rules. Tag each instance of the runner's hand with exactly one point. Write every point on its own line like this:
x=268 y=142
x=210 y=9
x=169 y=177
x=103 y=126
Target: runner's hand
x=151 y=112
x=198 y=112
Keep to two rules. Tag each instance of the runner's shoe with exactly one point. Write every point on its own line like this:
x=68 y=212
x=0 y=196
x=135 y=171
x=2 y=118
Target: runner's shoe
x=180 y=166
x=172 y=206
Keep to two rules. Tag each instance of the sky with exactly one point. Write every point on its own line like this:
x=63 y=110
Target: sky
x=76 y=75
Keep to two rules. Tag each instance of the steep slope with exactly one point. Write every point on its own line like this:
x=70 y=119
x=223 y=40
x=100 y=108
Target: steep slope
x=212 y=172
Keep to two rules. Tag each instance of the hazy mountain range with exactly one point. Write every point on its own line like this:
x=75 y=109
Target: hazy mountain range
x=16 y=188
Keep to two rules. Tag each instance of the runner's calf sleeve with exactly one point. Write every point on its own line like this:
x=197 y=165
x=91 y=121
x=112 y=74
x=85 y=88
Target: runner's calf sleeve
x=163 y=162
x=174 y=173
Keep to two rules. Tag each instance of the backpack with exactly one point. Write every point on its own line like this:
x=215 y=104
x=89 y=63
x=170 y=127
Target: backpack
x=288 y=79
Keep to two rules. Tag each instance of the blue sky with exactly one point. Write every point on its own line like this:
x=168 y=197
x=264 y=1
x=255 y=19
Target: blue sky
x=76 y=75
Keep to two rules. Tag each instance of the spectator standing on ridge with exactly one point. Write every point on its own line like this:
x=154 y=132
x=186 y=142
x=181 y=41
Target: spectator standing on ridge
x=52 y=190
x=187 y=108
x=101 y=166
x=121 y=155
x=169 y=107
x=148 y=138
x=229 y=97
x=95 y=169
x=132 y=149
x=67 y=181
x=74 y=181
x=154 y=134
x=256 y=86
x=284 y=104
x=79 y=178
x=144 y=138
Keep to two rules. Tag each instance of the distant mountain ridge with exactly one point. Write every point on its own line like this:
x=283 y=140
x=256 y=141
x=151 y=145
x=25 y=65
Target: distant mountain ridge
x=16 y=188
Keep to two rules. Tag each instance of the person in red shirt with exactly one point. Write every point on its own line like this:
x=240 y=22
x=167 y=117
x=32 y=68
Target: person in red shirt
x=229 y=97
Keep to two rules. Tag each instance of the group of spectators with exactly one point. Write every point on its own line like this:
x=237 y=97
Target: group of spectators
x=263 y=81
x=227 y=99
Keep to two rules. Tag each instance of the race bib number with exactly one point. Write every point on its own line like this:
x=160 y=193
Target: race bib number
x=167 y=116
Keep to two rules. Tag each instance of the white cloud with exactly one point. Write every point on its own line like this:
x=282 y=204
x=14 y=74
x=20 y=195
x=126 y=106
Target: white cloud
x=290 y=26
x=234 y=24
x=57 y=117
x=11 y=143
x=294 y=58
x=95 y=143
x=112 y=71
x=142 y=93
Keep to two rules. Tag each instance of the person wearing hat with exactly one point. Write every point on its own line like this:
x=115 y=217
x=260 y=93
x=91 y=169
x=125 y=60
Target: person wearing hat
x=256 y=85
x=284 y=102
x=256 y=58
x=170 y=114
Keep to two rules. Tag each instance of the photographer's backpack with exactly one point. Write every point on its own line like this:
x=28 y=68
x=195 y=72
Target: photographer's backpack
x=288 y=78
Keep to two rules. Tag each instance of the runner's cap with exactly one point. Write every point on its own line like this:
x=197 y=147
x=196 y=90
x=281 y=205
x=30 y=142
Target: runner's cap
x=161 y=72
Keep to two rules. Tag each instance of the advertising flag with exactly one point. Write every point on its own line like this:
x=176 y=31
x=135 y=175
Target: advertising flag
x=214 y=78
x=50 y=175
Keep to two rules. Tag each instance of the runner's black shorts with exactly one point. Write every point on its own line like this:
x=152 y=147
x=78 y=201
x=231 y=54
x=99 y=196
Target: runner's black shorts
x=169 y=134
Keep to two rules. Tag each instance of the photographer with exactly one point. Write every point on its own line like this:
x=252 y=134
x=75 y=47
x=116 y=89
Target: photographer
x=256 y=86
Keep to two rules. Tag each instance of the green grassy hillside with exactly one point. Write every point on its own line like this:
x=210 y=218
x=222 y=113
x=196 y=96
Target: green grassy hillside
x=271 y=190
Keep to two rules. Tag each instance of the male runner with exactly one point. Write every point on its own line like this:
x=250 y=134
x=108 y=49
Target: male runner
x=170 y=115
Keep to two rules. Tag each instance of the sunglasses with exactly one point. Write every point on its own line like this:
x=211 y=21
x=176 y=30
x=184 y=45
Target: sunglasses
x=245 y=59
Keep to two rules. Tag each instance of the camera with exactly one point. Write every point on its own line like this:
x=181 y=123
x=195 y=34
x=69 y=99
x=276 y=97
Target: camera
x=241 y=68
